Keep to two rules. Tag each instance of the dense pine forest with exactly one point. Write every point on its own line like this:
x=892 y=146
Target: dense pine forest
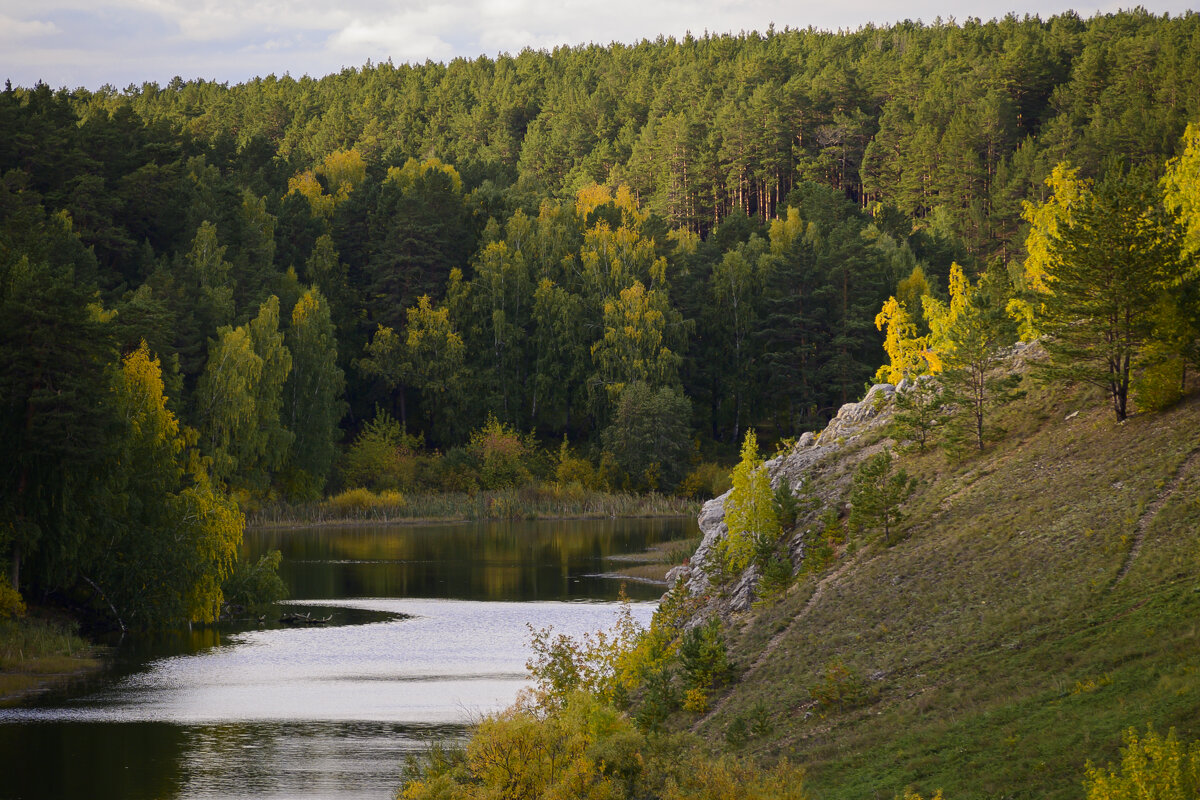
x=598 y=265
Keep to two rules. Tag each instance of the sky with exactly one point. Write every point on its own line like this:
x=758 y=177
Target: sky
x=90 y=43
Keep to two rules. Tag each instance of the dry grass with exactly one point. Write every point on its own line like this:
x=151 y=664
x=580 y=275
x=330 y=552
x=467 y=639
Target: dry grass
x=972 y=634
x=549 y=501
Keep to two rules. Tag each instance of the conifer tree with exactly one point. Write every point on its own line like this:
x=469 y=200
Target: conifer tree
x=314 y=404
x=1105 y=268
x=878 y=494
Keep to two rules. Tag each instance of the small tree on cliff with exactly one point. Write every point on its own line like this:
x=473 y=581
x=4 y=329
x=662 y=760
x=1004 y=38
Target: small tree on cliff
x=749 y=509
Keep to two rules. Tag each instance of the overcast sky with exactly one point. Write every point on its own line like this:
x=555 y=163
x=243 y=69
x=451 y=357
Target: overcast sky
x=93 y=42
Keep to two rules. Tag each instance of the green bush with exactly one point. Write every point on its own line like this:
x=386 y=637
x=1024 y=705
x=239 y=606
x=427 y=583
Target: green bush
x=253 y=586
x=703 y=657
x=1159 y=386
x=383 y=456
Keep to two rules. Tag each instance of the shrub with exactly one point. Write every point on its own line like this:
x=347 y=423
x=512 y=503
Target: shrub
x=11 y=604
x=1152 y=768
x=703 y=777
x=361 y=502
x=705 y=481
x=703 y=656
x=501 y=453
x=1159 y=386
x=839 y=687
x=575 y=470
x=383 y=456
x=252 y=586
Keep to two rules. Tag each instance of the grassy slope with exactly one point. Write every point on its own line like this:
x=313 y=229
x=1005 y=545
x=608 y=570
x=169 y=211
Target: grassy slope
x=996 y=648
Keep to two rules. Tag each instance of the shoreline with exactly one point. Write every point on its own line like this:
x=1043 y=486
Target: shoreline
x=19 y=685
x=449 y=520
x=39 y=655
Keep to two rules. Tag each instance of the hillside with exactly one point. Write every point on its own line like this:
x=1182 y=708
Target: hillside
x=1043 y=598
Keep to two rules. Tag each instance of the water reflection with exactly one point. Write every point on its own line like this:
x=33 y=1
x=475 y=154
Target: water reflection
x=327 y=712
x=554 y=560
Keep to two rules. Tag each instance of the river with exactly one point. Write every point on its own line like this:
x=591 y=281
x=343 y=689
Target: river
x=429 y=631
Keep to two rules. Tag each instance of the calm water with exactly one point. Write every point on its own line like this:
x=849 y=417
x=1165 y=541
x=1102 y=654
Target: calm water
x=429 y=630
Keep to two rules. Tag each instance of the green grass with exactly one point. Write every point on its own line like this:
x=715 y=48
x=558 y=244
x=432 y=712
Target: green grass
x=530 y=502
x=997 y=651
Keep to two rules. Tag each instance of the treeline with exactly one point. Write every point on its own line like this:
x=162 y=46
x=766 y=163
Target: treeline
x=642 y=250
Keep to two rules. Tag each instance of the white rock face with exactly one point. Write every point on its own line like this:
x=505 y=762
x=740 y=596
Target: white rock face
x=811 y=453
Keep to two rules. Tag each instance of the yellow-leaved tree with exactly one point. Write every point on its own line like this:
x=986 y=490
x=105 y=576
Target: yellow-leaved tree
x=904 y=347
x=168 y=537
x=749 y=509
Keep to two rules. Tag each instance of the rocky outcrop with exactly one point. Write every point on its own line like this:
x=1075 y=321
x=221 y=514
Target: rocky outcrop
x=829 y=459
x=852 y=435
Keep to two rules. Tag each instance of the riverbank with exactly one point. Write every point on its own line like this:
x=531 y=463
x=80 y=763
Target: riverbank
x=526 y=503
x=39 y=654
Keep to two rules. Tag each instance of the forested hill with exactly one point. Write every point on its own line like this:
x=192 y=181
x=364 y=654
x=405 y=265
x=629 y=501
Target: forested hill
x=644 y=249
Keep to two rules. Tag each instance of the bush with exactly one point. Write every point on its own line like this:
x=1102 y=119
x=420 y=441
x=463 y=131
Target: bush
x=11 y=604
x=707 y=480
x=383 y=456
x=254 y=586
x=501 y=453
x=1159 y=386
x=576 y=470
x=703 y=777
x=1152 y=768
x=839 y=687
x=363 y=502
x=703 y=656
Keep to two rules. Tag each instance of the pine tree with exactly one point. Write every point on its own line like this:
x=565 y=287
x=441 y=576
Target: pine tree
x=313 y=395
x=1106 y=267
x=878 y=494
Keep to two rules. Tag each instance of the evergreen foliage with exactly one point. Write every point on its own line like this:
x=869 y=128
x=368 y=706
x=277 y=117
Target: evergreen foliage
x=878 y=494
x=706 y=226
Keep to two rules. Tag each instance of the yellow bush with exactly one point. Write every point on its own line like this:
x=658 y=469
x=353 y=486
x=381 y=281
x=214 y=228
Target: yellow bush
x=706 y=778
x=696 y=700
x=364 y=500
x=11 y=604
x=1152 y=768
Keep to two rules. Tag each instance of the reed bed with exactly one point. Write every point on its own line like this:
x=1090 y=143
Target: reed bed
x=549 y=501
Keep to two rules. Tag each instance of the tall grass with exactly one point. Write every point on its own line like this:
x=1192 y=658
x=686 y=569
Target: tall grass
x=537 y=501
x=33 y=644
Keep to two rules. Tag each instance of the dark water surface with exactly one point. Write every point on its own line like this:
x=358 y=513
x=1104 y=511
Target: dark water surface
x=430 y=629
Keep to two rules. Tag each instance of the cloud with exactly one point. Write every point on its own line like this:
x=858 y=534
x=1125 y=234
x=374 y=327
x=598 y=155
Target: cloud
x=92 y=42
x=18 y=29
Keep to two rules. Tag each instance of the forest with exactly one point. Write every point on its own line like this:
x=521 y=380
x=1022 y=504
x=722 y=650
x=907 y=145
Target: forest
x=599 y=264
